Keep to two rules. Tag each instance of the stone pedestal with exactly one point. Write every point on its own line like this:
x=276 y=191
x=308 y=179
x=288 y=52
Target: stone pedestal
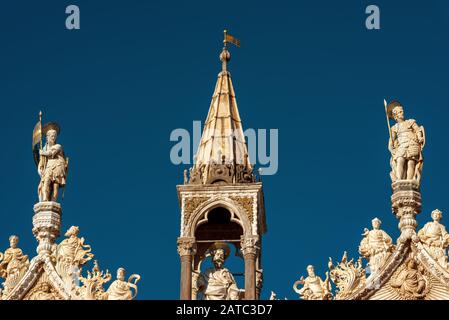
x=406 y=204
x=46 y=225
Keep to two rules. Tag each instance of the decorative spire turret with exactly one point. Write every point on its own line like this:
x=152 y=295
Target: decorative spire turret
x=222 y=155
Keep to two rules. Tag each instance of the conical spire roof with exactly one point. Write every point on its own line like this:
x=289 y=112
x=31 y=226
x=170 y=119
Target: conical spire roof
x=222 y=146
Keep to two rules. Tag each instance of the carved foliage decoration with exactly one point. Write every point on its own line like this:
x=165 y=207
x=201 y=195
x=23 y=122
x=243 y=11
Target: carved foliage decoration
x=247 y=204
x=347 y=276
x=190 y=205
x=92 y=288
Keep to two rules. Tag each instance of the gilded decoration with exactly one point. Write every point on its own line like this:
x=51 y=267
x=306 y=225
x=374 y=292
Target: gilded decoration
x=247 y=204
x=191 y=203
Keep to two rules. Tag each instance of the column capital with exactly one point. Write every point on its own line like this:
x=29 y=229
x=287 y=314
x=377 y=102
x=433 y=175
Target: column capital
x=250 y=245
x=186 y=246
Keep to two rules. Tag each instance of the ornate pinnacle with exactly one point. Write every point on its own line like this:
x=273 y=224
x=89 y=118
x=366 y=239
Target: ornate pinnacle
x=225 y=56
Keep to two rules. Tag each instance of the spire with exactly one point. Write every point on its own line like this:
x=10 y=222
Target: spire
x=222 y=155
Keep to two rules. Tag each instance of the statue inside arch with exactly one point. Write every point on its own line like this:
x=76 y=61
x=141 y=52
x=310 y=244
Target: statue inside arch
x=218 y=283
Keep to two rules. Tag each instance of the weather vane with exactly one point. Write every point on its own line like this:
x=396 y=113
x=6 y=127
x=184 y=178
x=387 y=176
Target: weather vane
x=231 y=39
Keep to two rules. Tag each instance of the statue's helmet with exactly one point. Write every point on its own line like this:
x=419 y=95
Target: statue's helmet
x=51 y=126
x=391 y=106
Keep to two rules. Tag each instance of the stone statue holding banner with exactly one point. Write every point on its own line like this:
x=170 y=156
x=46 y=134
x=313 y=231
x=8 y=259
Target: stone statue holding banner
x=51 y=162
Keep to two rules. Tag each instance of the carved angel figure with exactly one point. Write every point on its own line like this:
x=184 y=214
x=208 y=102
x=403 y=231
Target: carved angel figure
x=435 y=238
x=13 y=265
x=406 y=145
x=71 y=254
x=121 y=289
x=314 y=288
x=375 y=246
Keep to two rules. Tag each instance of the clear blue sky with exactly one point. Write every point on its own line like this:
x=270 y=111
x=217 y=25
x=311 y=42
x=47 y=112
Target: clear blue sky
x=139 y=69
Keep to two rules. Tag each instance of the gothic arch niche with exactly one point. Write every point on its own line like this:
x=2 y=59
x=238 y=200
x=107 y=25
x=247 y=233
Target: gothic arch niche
x=219 y=209
x=217 y=224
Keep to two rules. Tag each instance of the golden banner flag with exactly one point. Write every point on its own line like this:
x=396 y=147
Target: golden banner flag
x=37 y=135
x=231 y=39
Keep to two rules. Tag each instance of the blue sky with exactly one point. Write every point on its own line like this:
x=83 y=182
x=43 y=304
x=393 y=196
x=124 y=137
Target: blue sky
x=136 y=70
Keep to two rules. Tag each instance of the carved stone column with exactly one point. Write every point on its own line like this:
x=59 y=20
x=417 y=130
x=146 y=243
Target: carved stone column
x=250 y=250
x=195 y=276
x=406 y=204
x=186 y=251
x=46 y=225
x=259 y=283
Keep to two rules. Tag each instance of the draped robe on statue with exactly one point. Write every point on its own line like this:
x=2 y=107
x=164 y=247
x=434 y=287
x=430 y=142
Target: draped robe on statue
x=218 y=285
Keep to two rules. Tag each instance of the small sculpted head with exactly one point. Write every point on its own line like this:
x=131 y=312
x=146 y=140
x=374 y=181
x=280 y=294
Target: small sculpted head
x=436 y=215
x=72 y=232
x=376 y=223
x=52 y=135
x=45 y=287
x=121 y=274
x=412 y=264
x=311 y=270
x=398 y=113
x=13 y=241
x=218 y=258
